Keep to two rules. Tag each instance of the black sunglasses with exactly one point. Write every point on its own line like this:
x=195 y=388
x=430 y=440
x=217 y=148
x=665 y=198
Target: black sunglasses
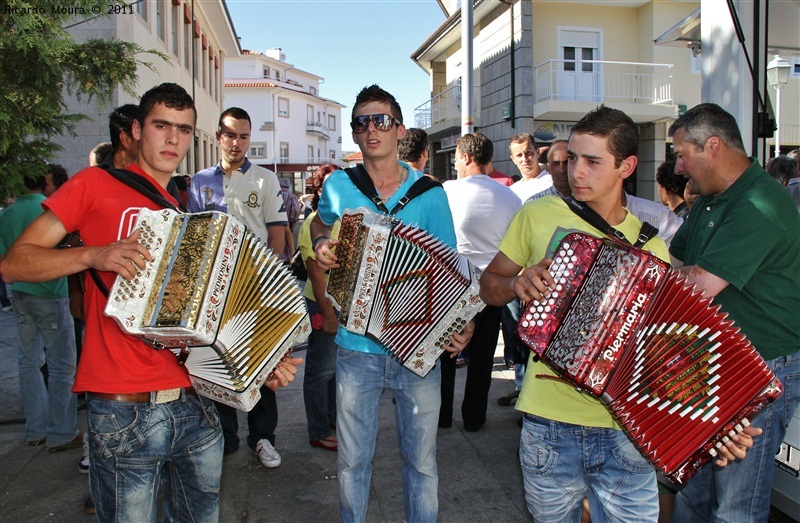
x=382 y=122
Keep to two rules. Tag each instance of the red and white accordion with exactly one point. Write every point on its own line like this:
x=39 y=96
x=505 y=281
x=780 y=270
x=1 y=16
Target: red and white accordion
x=676 y=373
x=401 y=287
x=217 y=296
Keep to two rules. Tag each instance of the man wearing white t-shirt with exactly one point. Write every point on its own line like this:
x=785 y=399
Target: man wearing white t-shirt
x=482 y=210
x=524 y=155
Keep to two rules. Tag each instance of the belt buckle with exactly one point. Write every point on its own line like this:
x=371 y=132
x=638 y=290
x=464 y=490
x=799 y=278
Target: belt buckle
x=165 y=396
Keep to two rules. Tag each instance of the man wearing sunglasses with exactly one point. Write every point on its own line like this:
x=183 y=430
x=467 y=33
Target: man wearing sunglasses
x=364 y=368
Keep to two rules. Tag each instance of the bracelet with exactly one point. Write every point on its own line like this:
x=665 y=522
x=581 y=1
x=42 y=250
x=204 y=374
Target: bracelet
x=316 y=242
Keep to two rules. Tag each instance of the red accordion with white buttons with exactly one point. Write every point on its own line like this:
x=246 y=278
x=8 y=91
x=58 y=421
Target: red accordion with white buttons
x=677 y=374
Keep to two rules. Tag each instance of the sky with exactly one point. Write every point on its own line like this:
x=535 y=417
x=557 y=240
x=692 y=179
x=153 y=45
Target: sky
x=350 y=43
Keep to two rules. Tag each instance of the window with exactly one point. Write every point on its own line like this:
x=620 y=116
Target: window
x=310 y=114
x=277 y=74
x=202 y=58
x=283 y=107
x=175 y=29
x=141 y=9
x=569 y=58
x=312 y=90
x=311 y=153
x=266 y=71
x=160 y=21
x=332 y=122
x=187 y=45
x=332 y=154
x=284 y=152
x=258 y=150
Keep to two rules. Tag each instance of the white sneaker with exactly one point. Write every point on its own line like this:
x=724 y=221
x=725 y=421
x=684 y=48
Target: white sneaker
x=267 y=454
x=83 y=464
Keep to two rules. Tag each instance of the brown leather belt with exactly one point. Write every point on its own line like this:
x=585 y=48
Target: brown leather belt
x=162 y=396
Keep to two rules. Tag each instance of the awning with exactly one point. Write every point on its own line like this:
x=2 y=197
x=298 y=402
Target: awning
x=685 y=33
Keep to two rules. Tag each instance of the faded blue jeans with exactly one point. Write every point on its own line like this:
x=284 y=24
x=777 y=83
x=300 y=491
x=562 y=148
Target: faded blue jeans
x=361 y=379
x=319 y=382
x=741 y=491
x=134 y=447
x=50 y=411
x=563 y=463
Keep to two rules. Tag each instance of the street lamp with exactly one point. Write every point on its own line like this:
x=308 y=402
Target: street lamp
x=778 y=76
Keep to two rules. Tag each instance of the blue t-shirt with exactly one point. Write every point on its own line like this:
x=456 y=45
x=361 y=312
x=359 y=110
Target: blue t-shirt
x=429 y=211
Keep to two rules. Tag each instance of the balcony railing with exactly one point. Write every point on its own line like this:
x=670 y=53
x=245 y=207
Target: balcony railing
x=445 y=106
x=317 y=128
x=599 y=80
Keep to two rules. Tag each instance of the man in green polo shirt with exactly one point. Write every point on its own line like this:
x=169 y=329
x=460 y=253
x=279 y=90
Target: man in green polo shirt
x=51 y=414
x=741 y=246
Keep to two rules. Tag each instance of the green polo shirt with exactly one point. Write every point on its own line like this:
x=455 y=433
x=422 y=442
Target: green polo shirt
x=750 y=236
x=13 y=221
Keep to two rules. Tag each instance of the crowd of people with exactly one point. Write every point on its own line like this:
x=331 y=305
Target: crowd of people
x=722 y=220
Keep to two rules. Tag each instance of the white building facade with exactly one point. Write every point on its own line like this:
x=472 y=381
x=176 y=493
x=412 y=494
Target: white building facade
x=295 y=130
x=196 y=37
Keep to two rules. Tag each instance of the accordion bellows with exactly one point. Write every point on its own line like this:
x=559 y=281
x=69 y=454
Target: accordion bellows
x=676 y=373
x=217 y=292
x=401 y=287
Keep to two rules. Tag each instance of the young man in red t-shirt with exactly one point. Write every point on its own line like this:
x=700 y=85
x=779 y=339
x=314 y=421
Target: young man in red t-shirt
x=133 y=431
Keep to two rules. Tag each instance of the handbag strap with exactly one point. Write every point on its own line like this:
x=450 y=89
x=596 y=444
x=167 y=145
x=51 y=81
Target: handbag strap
x=360 y=178
x=646 y=233
x=140 y=185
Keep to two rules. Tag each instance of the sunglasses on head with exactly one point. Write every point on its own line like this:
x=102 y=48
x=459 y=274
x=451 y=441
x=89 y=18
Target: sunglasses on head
x=382 y=122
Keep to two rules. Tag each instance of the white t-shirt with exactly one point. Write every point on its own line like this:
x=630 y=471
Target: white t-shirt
x=482 y=210
x=524 y=189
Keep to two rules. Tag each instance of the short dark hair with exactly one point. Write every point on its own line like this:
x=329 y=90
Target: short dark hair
x=411 y=147
x=374 y=93
x=35 y=183
x=703 y=121
x=171 y=95
x=523 y=138
x=666 y=177
x=101 y=151
x=58 y=174
x=476 y=146
x=237 y=113
x=121 y=120
x=619 y=130
x=782 y=168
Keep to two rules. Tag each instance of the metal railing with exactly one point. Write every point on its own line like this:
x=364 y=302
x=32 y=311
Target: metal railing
x=600 y=80
x=444 y=106
x=319 y=129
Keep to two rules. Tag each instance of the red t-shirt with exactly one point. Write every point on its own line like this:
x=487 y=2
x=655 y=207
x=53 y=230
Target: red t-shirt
x=104 y=210
x=501 y=178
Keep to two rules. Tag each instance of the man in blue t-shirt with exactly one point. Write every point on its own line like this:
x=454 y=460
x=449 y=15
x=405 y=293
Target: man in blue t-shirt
x=364 y=369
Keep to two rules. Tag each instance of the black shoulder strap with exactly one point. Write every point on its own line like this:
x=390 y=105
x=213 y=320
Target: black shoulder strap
x=646 y=233
x=358 y=175
x=139 y=184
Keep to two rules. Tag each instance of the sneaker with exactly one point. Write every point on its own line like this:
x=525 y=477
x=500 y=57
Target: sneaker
x=83 y=464
x=509 y=399
x=267 y=454
x=74 y=444
x=88 y=505
x=8 y=308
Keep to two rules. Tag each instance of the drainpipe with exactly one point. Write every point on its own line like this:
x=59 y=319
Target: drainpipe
x=467 y=123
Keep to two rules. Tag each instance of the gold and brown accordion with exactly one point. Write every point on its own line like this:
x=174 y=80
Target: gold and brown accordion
x=401 y=287
x=215 y=295
x=676 y=373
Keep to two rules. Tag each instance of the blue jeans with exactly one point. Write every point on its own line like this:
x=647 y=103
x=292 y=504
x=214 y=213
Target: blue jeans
x=50 y=411
x=319 y=383
x=563 y=463
x=741 y=491
x=361 y=379
x=136 y=446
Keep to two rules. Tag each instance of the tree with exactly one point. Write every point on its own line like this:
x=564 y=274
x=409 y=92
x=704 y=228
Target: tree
x=40 y=63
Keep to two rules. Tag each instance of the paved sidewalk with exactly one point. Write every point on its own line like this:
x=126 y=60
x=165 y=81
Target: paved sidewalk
x=479 y=475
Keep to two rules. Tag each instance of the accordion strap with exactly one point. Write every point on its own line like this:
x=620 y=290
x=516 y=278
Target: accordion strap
x=646 y=233
x=360 y=178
